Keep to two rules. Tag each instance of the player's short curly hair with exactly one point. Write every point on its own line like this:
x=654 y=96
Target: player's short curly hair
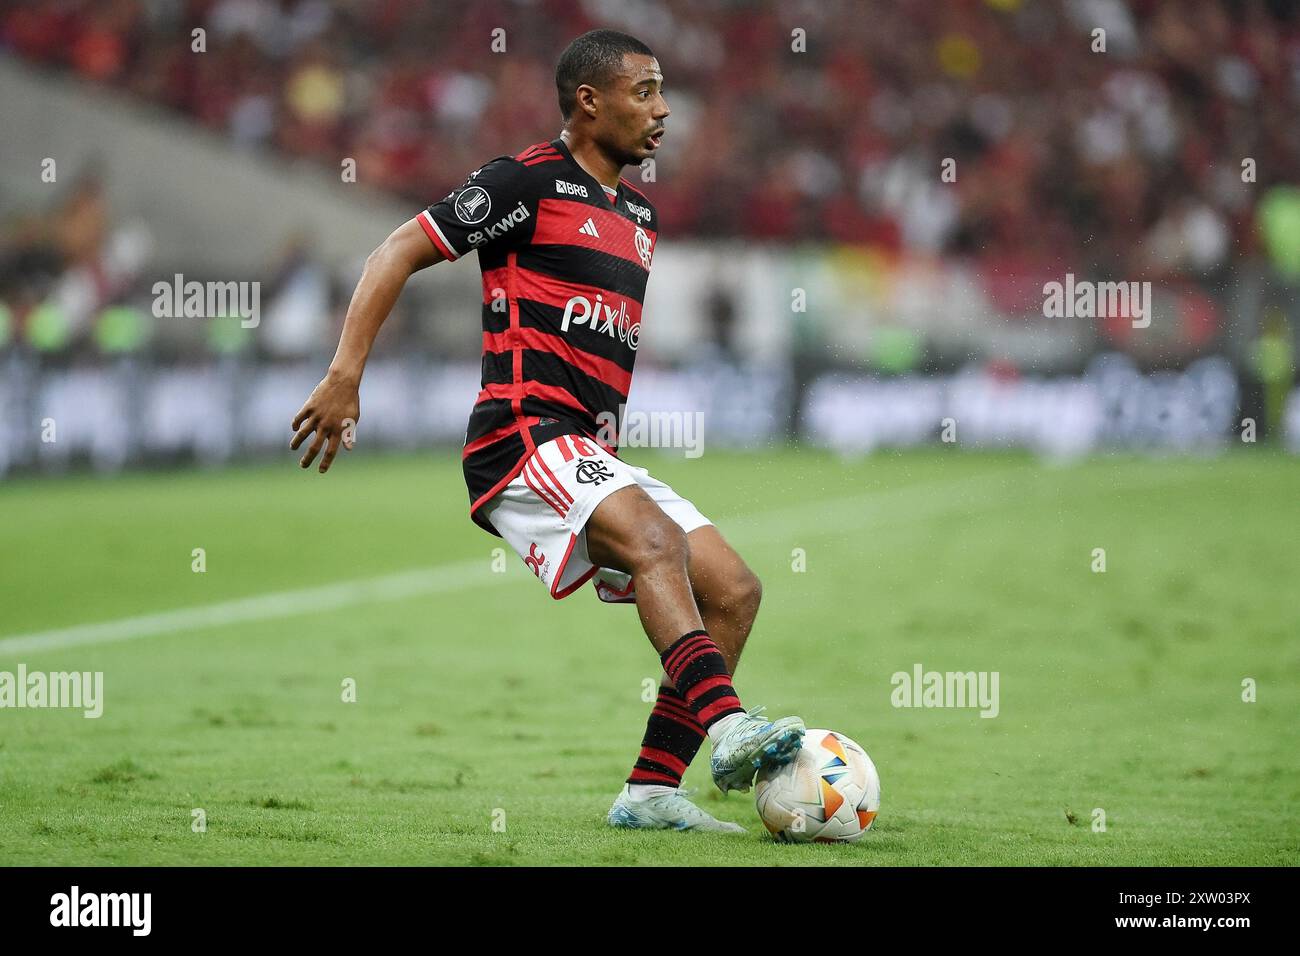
x=594 y=58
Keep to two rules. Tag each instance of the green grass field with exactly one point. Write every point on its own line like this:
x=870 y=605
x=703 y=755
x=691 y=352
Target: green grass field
x=477 y=695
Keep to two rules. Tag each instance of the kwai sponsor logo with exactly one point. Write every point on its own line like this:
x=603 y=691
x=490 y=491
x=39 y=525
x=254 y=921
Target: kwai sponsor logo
x=503 y=225
x=82 y=690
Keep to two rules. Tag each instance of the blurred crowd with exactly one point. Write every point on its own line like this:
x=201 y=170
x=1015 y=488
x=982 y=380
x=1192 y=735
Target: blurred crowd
x=1132 y=158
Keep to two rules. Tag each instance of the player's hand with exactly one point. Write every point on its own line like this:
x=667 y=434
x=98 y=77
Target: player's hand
x=331 y=411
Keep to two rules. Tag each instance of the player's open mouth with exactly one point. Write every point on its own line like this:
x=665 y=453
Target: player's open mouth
x=655 y=139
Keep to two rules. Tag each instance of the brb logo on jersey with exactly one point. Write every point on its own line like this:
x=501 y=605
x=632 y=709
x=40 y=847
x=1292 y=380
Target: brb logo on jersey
x=473 y=205
x=570 y=189
x=581 y=311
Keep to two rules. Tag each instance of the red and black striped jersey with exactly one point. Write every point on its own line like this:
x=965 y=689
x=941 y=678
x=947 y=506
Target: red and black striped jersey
x=565 y=264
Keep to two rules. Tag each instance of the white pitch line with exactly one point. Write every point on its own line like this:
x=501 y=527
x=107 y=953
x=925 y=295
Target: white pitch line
x=278 y=604
x=809 y=518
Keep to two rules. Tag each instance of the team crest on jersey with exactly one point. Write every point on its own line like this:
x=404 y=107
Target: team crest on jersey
x=643 y=247
x=473 y=205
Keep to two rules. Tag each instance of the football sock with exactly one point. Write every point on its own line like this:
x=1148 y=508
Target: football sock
x=644 y=791
x=672 y=738
x=699 y=672
x=718 y=729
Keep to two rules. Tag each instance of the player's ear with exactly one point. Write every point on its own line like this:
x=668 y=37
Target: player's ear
x=587 y=97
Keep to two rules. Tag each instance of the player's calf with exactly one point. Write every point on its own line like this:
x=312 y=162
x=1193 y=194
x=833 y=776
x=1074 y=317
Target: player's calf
x=742 y=742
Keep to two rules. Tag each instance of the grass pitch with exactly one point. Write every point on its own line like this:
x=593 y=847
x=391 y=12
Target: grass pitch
x=481 y=701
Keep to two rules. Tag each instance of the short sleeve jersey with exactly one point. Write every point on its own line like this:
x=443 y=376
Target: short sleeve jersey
x=565 y=262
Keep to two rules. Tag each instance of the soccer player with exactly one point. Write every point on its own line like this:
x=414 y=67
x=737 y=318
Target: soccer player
x=565 y=247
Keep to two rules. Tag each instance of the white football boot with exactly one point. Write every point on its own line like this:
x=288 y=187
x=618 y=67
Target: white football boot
x=664 y=811
x=750 y=742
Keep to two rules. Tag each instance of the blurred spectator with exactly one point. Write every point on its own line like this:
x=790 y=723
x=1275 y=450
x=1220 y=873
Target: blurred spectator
x=1129 y=159
x=60 y=267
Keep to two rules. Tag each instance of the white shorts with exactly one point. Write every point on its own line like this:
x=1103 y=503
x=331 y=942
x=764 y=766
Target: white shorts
x=543 y=513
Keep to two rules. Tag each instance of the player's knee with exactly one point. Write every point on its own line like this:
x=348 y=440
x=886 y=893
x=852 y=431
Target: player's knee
x=746 y=593
x=738 y=596
x=662 y=543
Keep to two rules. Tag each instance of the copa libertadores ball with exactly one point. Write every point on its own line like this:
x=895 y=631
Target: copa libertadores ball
x=830 y=793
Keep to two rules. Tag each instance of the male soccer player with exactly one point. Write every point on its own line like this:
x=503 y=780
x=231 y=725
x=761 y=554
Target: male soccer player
x=565 y=247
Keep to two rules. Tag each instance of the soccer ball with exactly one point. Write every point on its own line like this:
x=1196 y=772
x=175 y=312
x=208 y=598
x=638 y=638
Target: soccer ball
x=829 y=793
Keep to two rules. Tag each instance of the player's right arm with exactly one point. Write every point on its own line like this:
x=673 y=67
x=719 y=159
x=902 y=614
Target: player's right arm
x=335 y=403
x=496 y=207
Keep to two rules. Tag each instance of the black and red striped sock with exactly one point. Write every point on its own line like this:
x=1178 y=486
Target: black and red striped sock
x=699 y=672
x=672 y=739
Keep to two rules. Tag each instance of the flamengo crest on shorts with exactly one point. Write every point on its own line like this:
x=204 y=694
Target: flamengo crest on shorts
x=543 y=511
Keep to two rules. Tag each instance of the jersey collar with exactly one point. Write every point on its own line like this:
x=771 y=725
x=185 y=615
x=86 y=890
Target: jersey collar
x=563 y=147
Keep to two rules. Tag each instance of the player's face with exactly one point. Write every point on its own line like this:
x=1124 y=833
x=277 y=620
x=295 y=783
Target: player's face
x=634 y=120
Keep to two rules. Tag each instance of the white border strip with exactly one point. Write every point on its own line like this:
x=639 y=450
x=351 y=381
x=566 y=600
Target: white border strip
x=431 y=221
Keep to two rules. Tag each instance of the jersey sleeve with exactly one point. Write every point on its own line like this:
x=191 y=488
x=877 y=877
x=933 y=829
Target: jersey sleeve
x=493 y=208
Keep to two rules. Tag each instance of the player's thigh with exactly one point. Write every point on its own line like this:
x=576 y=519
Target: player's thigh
x=629 y=530
x=718 y=575
x=542 y=511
